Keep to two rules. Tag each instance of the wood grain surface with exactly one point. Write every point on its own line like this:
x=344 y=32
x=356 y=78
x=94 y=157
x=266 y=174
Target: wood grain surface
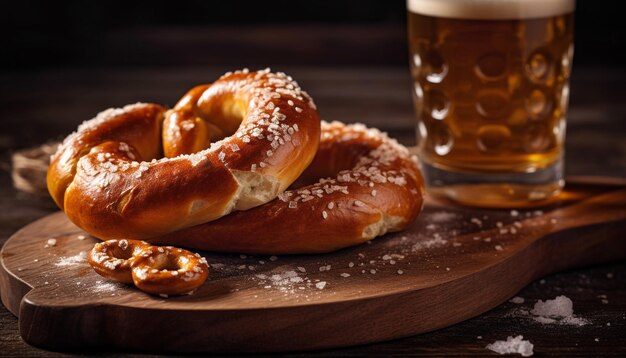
x=453 y=263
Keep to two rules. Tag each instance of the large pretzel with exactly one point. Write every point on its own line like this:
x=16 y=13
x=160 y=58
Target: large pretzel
x=370 y=185
x=111 y=179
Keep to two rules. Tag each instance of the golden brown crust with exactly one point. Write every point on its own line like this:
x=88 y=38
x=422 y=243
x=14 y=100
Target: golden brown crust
x=108 y=180
x=375 y=187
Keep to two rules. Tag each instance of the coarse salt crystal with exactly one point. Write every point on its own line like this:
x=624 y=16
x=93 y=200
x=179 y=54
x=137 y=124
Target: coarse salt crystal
x=51 y=242
x=512 y=345
x=123 y=244
x=561 y=306
x=320 y=285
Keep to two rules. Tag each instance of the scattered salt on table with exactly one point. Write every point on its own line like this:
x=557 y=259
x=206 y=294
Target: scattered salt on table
x=512 y=345
x=561 y=306
x=559 y=310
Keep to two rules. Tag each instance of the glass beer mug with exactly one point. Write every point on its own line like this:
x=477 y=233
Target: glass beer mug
x=491 y=89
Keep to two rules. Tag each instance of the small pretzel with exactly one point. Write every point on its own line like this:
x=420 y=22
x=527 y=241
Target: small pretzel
x=168 y=270
x=114 y=258
x=153 y=269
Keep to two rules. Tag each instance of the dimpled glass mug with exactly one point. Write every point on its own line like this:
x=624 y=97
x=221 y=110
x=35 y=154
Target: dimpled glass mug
x=491 y=89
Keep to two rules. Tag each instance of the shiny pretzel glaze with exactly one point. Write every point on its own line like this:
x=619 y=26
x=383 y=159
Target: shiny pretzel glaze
x=111 y=179
x=370 y=185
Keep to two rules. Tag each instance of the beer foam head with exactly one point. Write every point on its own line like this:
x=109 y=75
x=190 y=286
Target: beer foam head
x=491 y=9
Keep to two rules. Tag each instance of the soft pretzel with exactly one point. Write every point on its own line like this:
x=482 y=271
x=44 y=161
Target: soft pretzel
x=371 y=185
x=153 y=269
x=111 y=180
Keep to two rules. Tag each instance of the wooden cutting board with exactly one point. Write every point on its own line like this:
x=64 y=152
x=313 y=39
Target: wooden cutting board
x=453 y=263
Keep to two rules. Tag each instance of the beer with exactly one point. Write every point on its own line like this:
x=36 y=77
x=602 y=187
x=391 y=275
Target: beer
x=491 y=93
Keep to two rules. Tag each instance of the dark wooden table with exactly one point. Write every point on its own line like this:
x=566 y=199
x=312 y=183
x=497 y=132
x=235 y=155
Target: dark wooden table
x=39 y=106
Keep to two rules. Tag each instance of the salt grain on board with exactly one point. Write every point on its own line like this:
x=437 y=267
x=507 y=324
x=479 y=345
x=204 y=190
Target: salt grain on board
x=51 y=242
x=101 y=286
x=72 y=260
x=442 y=216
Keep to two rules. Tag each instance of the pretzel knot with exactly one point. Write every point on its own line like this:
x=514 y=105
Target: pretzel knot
x=111 y=179
x=235 y=166
x=157 y=270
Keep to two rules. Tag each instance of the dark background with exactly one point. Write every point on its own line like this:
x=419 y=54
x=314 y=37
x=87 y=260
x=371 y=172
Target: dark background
x=53 y=34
